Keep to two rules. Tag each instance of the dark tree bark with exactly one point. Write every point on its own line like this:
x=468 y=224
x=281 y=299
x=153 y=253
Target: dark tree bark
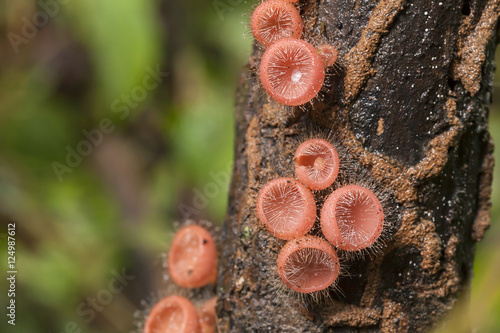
x=408 y=107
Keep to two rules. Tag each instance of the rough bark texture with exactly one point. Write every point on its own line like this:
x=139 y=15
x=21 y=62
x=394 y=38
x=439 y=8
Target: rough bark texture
x=408 y=110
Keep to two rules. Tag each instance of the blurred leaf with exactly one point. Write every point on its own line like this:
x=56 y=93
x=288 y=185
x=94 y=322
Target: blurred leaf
x=123 y=39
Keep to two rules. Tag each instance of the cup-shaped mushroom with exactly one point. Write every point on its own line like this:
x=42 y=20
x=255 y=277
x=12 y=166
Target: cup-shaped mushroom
x=352 y=218
x=292 y=72
x=316 y=164
x=173 y=314
x=287 y=208
x=192 y=259
x=207 y=316
x=308 y=264
x=328 y=54
x=273 y=20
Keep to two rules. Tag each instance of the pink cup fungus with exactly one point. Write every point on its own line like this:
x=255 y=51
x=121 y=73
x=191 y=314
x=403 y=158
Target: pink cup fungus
x=173 y=314
x=352 y=218
x=308 y=264
x=316 y=164
x=292 y=72
x=273 y=20
x=192 y=259
x=287 y=208
x=207 y=316
x=328 y=54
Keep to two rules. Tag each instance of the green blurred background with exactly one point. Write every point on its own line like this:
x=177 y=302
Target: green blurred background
x=152 y=83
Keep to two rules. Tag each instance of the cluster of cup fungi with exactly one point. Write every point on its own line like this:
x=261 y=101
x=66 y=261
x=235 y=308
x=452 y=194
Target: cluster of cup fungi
x=351 y=219
x=292 y=71
x=192 y=263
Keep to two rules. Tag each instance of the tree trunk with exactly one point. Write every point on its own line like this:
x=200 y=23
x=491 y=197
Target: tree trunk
x=408 y=109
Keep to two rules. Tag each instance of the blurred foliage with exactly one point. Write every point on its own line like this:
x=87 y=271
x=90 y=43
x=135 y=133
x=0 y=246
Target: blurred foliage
x=116 y=207
x=167 y=147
